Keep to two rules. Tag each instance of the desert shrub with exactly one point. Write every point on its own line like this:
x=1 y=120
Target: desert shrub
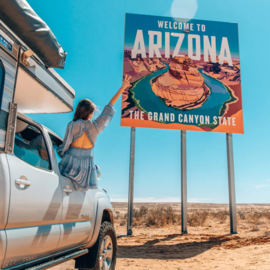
x=122 y=223
x=193 y=219
x=161 y=216
x=116 y=215
x=143 y=210
x=136 y=213
x=254 y=228
x=254 y=217
x=220 y=215
x=257 y=218
x=197 y=218
x=157 y=216
x=265 y=215
x=203 y=217
x=242 y=215
x=152 y=218
x=139 y=215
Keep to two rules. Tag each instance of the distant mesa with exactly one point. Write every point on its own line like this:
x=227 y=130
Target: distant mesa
x=224 y=73
x=182 y=87
x=140 y=67
x=229 y=75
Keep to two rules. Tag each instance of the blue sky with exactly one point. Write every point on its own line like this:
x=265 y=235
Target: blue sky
x=92 y=32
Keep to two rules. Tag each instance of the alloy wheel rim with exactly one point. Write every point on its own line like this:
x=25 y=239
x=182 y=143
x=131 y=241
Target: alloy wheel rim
x=106 y=253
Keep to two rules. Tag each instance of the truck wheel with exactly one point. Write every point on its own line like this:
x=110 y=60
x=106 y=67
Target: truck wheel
x=107 y=247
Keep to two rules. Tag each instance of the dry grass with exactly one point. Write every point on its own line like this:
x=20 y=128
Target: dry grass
x=161 y=216
x=158 y=216
x=255 y=218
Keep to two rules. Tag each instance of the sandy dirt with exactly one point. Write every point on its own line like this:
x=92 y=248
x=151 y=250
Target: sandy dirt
x=209 y=246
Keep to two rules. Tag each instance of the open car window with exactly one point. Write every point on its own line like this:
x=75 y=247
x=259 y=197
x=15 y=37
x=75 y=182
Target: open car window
x=30 y=146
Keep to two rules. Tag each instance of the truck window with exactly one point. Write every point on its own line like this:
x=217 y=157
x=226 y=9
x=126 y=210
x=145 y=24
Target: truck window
x=55 y=142
x=30 y=146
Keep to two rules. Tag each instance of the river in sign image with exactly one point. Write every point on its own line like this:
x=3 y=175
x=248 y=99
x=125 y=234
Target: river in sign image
x=144 y=95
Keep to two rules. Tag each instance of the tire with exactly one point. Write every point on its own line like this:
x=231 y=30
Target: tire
x=106 y=234
x=94 y=260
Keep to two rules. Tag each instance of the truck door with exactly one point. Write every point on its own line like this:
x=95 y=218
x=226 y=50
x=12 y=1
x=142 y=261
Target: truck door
x=33 y=228
x=77 y=222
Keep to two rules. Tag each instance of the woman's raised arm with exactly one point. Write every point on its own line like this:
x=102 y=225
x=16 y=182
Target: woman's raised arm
x=126 y=83
x=107 y=114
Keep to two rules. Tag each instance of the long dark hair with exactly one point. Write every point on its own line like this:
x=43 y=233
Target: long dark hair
x=84 y=108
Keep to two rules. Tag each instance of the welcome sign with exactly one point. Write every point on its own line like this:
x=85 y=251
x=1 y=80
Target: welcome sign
x=185 y=74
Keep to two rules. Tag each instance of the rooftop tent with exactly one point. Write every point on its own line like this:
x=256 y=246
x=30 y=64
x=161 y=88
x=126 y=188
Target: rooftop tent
x=33 y=31
x=35 y=86
x=42 y=91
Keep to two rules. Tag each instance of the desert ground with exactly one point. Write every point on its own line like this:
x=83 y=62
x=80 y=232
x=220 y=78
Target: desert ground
x=157 y=242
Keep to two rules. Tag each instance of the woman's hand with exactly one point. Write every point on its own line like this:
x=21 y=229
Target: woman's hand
x=126 y=82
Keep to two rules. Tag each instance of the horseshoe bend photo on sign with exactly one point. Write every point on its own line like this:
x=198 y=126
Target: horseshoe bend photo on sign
x=185 y=74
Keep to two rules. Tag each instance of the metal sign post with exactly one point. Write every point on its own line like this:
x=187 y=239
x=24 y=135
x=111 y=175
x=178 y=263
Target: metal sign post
x=131 y=181
x=232 y=203
x=183 y=182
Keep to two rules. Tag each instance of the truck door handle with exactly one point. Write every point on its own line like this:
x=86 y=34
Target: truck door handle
x=67 y=189
x=22 y=182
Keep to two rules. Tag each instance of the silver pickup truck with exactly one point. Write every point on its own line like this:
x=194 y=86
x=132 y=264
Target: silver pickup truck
x=44 y=221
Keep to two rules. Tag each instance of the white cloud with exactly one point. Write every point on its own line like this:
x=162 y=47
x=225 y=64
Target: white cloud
x=262 y=186
x=184 y=8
